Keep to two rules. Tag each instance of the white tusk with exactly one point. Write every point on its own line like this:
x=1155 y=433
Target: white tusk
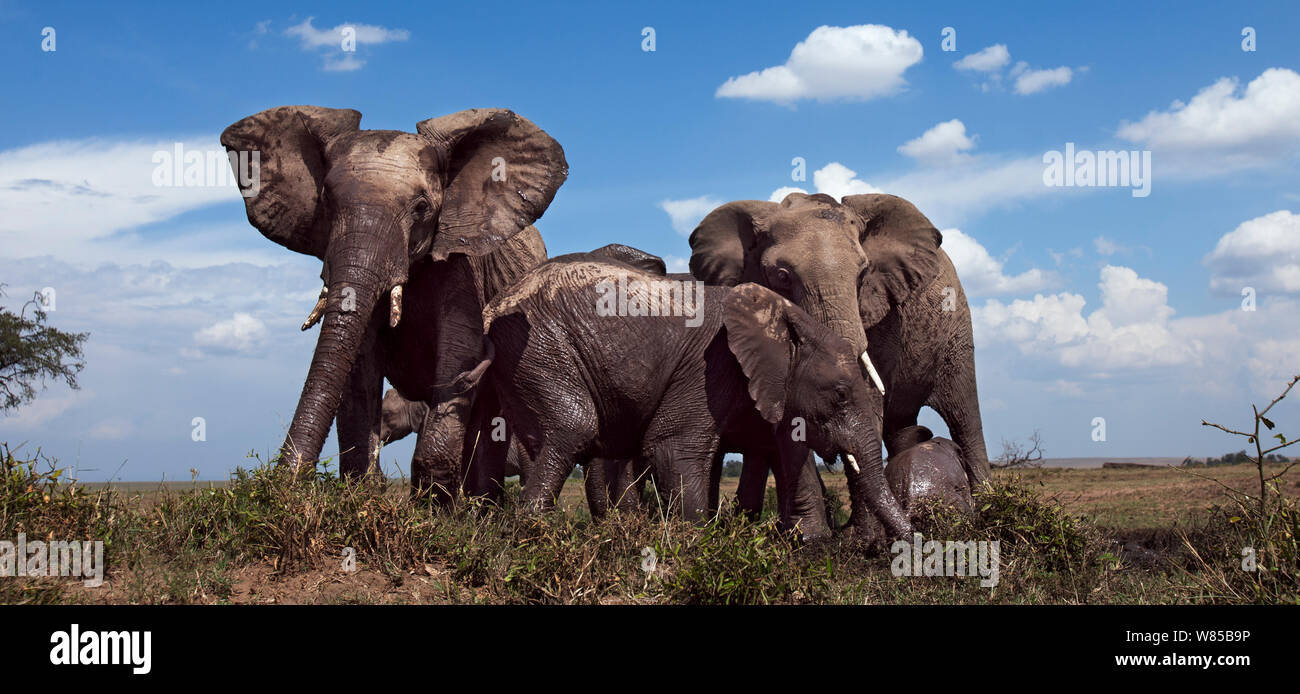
x=871 y=371
x=395 y=307
x=853 y=462
x=314 y=317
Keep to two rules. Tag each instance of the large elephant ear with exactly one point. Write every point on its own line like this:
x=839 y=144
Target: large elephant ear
x=501 y=173
x=759 y=334
x=283 y=197
x=902 y=247
x=719 y=243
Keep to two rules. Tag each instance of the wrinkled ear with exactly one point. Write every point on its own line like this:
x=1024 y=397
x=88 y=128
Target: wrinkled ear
x=719 y=243
x=760 y=336
x=283 y=196
x=501 y=174
x=902 y=247
x=637 y=258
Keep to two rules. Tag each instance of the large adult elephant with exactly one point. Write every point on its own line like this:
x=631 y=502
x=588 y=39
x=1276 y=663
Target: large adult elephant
x=871 y=269
x=417 y=232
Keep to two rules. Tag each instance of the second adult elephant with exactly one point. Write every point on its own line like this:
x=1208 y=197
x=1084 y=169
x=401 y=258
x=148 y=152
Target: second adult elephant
x=416 y=232
x=871 y=269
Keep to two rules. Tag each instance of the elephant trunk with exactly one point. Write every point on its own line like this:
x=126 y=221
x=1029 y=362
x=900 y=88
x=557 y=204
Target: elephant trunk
x=868 y=488
x=353 y=288
x=839 y=312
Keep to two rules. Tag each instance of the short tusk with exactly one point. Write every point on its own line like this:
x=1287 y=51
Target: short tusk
x=314 y=317
x=871 y=371
x=395 y=307
x=853 y=462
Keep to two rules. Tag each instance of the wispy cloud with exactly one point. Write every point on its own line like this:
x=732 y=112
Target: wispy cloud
x=338 y=45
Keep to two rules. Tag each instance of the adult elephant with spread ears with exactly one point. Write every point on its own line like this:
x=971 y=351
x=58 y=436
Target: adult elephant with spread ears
x=870 y=268
x=417 y=231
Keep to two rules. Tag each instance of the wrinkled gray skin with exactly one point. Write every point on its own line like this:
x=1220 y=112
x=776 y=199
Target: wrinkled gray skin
x=927 y=469
x=438 y=214
x=870 y=269
x=609 y=484
x=577 y=384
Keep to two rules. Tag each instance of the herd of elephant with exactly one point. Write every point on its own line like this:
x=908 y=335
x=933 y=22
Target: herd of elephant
x=818 y=326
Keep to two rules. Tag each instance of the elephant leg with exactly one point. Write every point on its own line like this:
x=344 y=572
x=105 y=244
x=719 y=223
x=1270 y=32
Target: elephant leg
x=555 y=461
x=622 y=484
x=597 y=487
x=752 y=491
x=438 y=466
x=799 y=492
x=490 y=447
x=360 y=412
x=715 y=481
x=518 y=461
x=683 y=465
x=901 y=411
x=957 y=402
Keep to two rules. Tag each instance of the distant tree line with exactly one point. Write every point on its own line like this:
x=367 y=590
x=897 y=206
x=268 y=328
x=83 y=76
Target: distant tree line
x=1233 y=459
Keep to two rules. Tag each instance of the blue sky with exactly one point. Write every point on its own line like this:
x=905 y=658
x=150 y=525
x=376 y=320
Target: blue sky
x=1088 y=302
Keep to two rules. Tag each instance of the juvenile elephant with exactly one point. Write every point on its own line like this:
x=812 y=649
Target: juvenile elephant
x=401 y=417
x=416 y=233
x=926 y=468
x=869 y=268
x=745 y=370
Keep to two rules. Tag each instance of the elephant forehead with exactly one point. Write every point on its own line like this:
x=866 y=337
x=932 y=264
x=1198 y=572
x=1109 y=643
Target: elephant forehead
x=377 y=151
x=811 y=224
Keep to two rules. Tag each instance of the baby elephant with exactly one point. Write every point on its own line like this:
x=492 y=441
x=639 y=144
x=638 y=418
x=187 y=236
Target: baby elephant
x=927 y=469
x=599 y=359
x=402 y=417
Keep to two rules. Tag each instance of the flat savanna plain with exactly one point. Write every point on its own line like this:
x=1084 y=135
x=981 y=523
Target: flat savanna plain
x=1068 y=535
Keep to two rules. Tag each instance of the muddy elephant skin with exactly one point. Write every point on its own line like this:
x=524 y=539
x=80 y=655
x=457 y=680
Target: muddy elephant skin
x=927 y=470
x=744 y=372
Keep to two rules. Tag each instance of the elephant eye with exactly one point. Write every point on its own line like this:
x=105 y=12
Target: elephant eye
x=781 y=277
x=421 y=207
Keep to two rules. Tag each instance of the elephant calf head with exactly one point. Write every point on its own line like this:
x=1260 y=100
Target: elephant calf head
x=927 y=469
x=400 y=417
x=798 y=369
x=373 y=203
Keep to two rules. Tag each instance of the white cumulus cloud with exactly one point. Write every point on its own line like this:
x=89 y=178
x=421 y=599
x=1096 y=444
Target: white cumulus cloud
x=1131 y=330
x=982 y=275
x=1224 y=127
x=852 y=63
x=1263 y=253
x=945 y=143
x=242 y=333
x=686 y=214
